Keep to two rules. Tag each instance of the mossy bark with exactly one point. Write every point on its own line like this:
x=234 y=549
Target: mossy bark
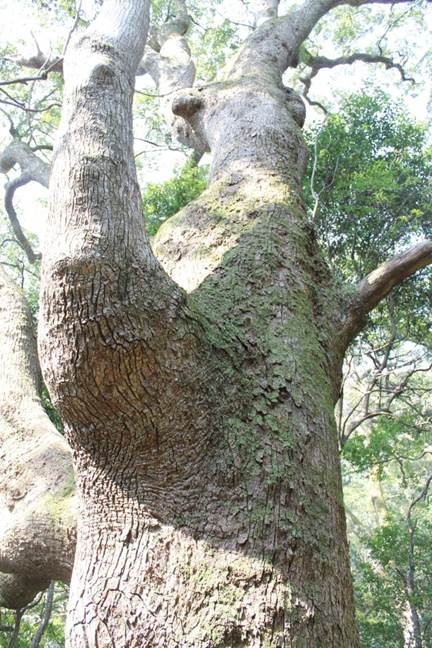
x=201 y=422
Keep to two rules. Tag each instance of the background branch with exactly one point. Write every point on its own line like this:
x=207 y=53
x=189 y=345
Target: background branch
x=23 y=241
x=317 y=63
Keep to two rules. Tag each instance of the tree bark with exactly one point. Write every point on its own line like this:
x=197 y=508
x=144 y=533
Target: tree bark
x=168 y=61
x=32 y=168
x=37 y=529
x=202 y=424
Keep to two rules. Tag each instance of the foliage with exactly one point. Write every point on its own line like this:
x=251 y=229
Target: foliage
x=213 y=48
x=368 y=189
x=386 y=466
x=162 y=200
x=380 y=563
x=373 y=169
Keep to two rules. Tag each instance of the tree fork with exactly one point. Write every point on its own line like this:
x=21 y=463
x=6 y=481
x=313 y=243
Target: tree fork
x=202 y=426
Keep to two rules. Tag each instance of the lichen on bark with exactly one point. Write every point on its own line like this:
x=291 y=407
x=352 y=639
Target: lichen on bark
x=200 y=414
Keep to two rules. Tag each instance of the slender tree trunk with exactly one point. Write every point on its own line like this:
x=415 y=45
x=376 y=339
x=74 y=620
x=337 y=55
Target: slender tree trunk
x=412 y=627
x=45 y=617
x=15 y=633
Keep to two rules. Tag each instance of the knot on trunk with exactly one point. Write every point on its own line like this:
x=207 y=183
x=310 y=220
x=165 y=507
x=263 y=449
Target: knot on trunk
x=188 y=108
x=186 y=105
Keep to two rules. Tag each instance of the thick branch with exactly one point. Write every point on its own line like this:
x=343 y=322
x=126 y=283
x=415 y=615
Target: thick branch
x=17 y=590
x=168 y=57
x=169 y=63
x=32 y=168
x=378 y=284
x=96 y=234
x=18 y=152
x=23 y=241
x=319 y=62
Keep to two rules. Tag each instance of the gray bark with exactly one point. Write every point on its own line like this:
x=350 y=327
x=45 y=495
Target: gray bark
x=19 y=153
x=168 y=61
x=45 y=617
x=263 y=10
x=32 y=168
x=202 y=424
x=37 y=515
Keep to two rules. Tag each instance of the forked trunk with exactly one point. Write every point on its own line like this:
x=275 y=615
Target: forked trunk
x=202 y=425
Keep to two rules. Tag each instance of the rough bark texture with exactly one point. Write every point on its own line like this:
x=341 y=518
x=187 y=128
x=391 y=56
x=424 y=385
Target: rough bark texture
x=202 y=424
x=37 y=516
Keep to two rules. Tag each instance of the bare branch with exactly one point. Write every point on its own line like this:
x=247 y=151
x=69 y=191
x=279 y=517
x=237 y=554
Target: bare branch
x=274 y=45
x=41 y=62
x=18 y=104
x=56 y=65
x=71 y=31
x=420 y=497
x=317 y=63
x=378 y=284
x=11 y=187
x=313 y=102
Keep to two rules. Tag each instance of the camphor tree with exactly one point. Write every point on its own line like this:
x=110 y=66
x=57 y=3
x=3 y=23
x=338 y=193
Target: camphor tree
x=195 y=379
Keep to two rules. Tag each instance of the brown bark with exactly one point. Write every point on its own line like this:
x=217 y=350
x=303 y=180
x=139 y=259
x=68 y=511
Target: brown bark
x=202 y=425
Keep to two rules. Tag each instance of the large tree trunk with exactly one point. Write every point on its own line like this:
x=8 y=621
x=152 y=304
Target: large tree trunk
x=202 y=425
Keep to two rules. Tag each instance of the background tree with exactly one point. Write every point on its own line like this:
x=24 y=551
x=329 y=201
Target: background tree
x=359 y=165
x=232 y=484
